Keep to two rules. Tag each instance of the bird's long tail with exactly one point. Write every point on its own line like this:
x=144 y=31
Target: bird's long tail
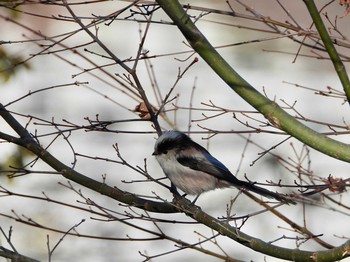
x=265 y=192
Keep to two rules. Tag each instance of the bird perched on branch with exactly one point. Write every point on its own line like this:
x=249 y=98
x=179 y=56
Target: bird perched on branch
x=191 y=168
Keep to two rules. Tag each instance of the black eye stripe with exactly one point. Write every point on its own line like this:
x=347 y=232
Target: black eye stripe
x=164 y=148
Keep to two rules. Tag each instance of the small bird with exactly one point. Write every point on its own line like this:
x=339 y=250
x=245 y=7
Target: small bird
x=191 y=168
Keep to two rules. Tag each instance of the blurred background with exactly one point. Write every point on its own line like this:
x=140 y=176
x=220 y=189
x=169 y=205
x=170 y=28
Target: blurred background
x=267 y=60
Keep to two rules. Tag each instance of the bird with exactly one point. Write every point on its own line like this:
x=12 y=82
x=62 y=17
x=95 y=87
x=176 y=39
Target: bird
x=192 y=169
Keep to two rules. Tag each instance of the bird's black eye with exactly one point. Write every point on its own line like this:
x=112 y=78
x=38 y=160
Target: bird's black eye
x=163 y=148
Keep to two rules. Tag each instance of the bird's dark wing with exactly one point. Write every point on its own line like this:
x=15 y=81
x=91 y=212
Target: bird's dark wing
x=205 y=162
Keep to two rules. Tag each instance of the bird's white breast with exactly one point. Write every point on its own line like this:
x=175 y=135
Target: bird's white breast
x=190 y=181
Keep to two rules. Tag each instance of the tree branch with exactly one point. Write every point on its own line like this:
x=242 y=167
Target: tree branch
x=258 y=245
x=271 y=110
x=332 y=52
x=13 y=256
x=29 y=143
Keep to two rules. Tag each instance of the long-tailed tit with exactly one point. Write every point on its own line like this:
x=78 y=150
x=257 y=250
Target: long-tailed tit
x=191 y=168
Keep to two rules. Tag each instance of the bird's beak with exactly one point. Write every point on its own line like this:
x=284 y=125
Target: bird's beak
x=154 y=153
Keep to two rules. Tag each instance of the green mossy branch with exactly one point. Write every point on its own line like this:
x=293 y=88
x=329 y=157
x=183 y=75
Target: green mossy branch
x=332 y=52
x=261 y=246
x=278 y=117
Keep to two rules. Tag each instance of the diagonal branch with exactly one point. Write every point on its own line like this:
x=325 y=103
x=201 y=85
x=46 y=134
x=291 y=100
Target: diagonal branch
x=328 y=43
x=271 y=110
x=259 y=245
x=28 y=142
x=13 y=256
